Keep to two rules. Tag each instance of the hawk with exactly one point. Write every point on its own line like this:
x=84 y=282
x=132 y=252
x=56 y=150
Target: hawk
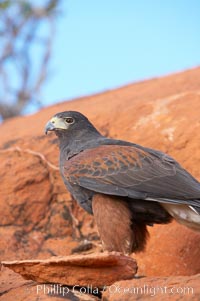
x=126 y=186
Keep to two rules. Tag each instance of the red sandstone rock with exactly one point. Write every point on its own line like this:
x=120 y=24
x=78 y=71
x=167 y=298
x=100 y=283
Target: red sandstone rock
x=155 y=288
x=14 y=287
x=93 y=270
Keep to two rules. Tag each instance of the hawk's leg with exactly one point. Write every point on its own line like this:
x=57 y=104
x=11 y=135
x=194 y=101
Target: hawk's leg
x=116 y=227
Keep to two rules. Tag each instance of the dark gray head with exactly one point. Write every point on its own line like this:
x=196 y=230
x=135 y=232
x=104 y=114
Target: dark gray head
x=69 y=121
x=72 y=128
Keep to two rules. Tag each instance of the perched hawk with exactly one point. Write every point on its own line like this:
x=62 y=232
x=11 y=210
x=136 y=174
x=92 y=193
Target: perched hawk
x=127 y=187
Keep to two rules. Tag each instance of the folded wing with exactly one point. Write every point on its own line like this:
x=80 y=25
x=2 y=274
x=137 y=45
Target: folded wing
x=133 y=172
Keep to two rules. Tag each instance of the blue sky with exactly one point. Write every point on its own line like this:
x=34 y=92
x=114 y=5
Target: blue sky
x=101 y=45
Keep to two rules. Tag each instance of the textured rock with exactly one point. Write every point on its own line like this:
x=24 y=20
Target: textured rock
x=10 y=280
x=38 y=217
x=95 y=270
x=155 y=288
x=20 y=206
x=14 y=287
x=184 y=288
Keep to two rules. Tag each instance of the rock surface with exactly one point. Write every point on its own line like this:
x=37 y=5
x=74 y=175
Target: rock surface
x=95 y=270
x=155 y=288
x=14 y=287
x=184 y=288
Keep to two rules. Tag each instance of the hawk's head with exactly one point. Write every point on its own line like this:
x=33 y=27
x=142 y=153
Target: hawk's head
x=68 y=121
x=71 y=126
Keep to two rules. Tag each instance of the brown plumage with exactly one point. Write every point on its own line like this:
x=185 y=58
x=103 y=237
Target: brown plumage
x=126 y=186
x=116 y=227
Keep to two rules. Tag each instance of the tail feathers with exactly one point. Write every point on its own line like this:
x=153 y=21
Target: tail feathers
x=195 y=209
x=184 y=214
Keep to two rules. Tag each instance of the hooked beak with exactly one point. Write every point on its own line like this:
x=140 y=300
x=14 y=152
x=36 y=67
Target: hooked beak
x=49 y=127
x=55 y=123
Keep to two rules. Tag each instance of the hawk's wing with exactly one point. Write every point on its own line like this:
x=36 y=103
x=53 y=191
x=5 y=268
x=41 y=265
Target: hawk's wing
x=133 y=172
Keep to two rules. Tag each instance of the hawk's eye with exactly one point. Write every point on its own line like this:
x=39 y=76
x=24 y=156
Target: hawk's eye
x=69 y=120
